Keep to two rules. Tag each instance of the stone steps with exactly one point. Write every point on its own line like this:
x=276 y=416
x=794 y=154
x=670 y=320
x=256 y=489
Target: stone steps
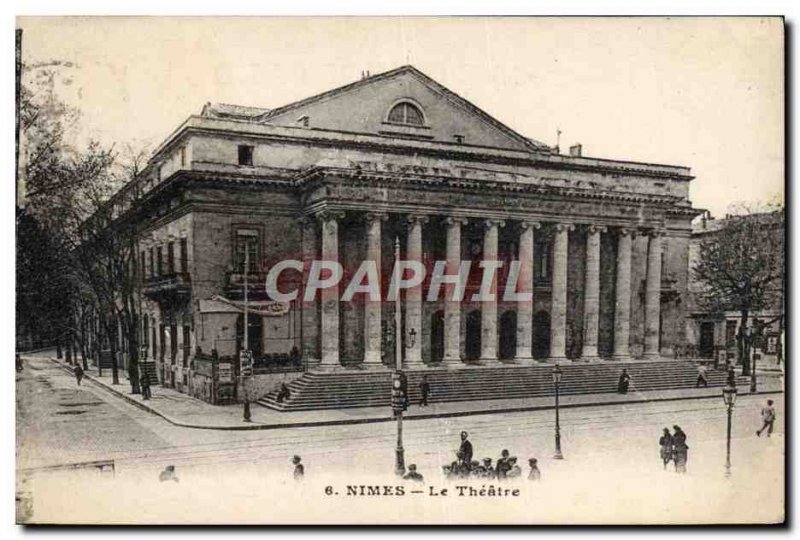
x=357 y=388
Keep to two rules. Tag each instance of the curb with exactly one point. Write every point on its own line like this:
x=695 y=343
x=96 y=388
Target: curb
x=354 y=421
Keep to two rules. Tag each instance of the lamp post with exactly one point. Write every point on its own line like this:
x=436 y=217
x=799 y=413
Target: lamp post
x=245 y=361
x=729 y=396
x=557 y=382
x=400 y=466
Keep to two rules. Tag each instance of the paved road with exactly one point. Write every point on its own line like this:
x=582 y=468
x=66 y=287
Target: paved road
x=606 y=448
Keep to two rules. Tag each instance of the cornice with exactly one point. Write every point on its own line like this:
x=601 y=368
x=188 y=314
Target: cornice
x=318 y=176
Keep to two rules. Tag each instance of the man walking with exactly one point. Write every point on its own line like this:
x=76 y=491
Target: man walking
x=144 y=382
x=701 y=376
x=768 y=415
x=78 y=370
x=465 y=449
x=424 y=390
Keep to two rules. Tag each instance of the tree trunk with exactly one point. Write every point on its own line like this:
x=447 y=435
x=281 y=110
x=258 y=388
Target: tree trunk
x=68 y=350
x=59 y=354
x=743 y=344
x=133 y=352
x=84 y=349
x=112 y=342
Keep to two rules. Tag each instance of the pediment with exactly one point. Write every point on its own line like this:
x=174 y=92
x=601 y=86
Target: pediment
x=402 y=103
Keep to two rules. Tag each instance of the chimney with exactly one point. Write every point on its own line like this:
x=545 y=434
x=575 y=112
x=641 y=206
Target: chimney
x=576 y=150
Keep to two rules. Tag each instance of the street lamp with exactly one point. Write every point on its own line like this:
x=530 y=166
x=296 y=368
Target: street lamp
x=399 y=383
x=245 y=356
x=729 y=396
x=557 y=382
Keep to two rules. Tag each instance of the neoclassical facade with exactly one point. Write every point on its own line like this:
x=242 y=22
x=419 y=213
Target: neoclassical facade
x=398 y=161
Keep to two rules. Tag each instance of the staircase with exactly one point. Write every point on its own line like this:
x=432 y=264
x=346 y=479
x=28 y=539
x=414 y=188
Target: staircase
x=357 y=388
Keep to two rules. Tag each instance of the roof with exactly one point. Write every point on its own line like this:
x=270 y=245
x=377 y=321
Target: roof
x=256 y=114
x=236 y=112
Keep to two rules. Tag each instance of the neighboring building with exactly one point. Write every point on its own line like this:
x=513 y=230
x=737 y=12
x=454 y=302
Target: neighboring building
x=713 y=334
x=342 y=174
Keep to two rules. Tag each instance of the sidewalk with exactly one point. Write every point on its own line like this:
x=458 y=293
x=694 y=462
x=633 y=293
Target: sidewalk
x=182 y=410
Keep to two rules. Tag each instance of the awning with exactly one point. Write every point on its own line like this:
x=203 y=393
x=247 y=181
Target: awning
x=266 y=308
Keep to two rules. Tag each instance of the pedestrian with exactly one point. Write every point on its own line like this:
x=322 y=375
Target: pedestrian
x=665 y=442
x=78 y=371
x=623 y=382
x=535 y=473
x=413 y=475
x=489 y=471
x=144 y=382
x=502 y=467
x=424 y=391
x=514 y=471
x=18 y=362
x=283 y=393
x=768 y=415
x=701 y=376
x=680 y=452
x=168 y=474
x=476 y=469
x=466 y=449
x=299 y=470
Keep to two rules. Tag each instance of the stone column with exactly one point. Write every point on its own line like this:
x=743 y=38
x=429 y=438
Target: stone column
x=372 y=308
x=330 y=296
x=558 y=310
x=525 y=286
x=591 y=302
x=452 y=309
x=622 y=300
x=414 y=295
x=652 y=299
x=489 y=305
x=310 y=310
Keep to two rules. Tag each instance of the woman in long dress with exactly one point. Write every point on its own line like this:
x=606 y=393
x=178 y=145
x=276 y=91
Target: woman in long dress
x=665 y=442
x=681 y=449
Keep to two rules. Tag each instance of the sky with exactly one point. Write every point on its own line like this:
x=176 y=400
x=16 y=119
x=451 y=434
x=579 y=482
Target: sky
x=704 y=93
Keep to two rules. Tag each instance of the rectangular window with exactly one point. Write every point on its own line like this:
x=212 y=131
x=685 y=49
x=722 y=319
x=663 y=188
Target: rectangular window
x=184 y=255
x=152 y=264
x=730 y=333
x=155 y=341
x=170 y=257
x=186 y=344
x=183 y=157
x=146 y=336
x=160 y=261
x=173 y=343
x=247 y=245
x=245 y=155
x=163 y=348
x=541 y=263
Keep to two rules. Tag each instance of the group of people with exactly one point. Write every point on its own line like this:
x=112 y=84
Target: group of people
x=505 y=467
x=673 y=448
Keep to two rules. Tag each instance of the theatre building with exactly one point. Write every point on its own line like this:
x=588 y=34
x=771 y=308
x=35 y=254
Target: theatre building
x=397 y=159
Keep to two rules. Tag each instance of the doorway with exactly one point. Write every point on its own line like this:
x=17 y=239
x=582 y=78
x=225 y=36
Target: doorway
x=508 y=335
x=541 y=334
x=437 y=336
x=472 y=338
x=706 y=339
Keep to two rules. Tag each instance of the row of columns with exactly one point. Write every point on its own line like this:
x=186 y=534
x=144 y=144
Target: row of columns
x=329 y=324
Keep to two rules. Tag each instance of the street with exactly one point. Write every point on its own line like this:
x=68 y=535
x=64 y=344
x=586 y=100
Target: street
x=611 y=471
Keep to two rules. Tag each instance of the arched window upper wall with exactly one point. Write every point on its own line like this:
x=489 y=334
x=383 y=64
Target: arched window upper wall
x=406 y=112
